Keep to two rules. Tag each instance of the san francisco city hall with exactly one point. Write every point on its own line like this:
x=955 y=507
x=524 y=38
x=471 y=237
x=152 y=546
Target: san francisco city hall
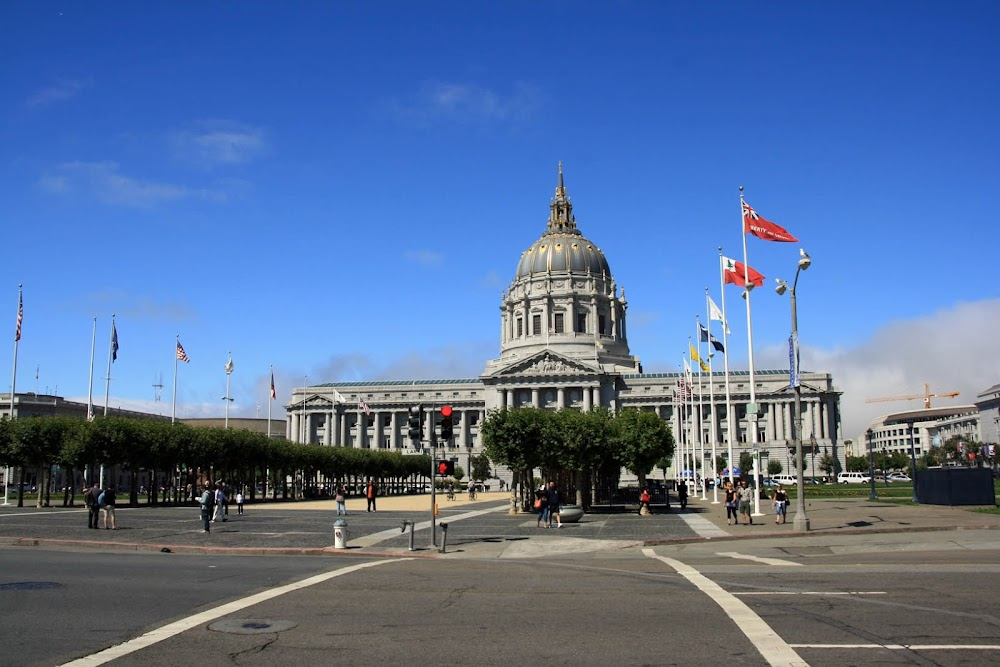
x=564 y=344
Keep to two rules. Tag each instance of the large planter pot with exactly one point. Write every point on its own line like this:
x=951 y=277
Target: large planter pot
x=570 y=513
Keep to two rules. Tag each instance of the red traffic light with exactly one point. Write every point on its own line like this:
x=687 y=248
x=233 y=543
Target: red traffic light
x=446 y=411
x=442 y=468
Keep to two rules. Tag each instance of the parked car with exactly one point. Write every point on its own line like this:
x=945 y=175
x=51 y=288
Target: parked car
x=899 y=477
x=853 y=478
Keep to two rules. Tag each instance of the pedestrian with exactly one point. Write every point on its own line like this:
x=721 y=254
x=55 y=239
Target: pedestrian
x=682 y=494
x=239 y=502
x=93 y=506
x=731 y=505
x=371 y=492
x=744 y=496
x=542 y=505
x=207 y=501
x=472 y=490
x=644 y=501
x=109 y=508
x=553 y=498
x=779 y=501
x=219 y=503
x=341 y=498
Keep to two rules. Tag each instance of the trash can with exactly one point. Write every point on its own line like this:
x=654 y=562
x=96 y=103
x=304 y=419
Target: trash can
x=339 y=534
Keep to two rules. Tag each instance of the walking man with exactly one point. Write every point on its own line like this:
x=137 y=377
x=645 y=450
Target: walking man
x=109 y=508
x=220 y=503
x=90 y=497
x=553 y=497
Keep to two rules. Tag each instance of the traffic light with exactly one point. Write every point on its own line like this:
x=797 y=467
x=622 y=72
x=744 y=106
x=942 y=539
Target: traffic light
x=414 y=423
x=446 y=468
x=446 y=423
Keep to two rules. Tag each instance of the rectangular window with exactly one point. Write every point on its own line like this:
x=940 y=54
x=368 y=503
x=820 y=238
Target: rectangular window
x=559 y=323
x=581 y=323
x=536 y=325
x=520 y=328
x=601 y=325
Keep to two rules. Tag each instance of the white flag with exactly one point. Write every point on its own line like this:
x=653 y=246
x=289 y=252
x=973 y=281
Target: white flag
x=715 y=314
x=338 y=397
x=229 y=366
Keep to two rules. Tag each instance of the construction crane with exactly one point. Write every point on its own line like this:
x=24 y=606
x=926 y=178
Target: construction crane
x=927 y=396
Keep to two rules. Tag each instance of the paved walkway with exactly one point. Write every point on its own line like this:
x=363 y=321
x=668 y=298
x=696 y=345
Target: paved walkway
x=481 y=528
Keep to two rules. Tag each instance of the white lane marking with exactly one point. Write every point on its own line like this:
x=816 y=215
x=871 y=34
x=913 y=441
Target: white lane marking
x=177 y=627
x=771 y=646
x=381 y=536
x=907 y=647
x=758 y=559
x=824 y=593
x=702 y=526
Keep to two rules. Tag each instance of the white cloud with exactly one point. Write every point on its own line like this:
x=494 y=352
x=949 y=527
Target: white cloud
x=63 y=90
x=468 y=103
x=955 y=349
x=219 y=142
x=425 y=258
x=105 y=182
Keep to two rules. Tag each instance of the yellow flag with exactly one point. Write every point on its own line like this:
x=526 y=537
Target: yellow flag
x=694 y=353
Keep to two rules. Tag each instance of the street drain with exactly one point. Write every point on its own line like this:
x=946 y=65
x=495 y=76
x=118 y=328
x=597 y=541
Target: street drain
x=251 y=626
x=29 y=585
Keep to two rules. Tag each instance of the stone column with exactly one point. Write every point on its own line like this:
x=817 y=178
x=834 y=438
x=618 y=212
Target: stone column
x=395 y=424
x=587 y=399
x=331 y=421
x=561 y=400
x=535 y=398
x=379 y=436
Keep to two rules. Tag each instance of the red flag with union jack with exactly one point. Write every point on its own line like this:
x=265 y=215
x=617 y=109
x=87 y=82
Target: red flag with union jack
x=764 y=229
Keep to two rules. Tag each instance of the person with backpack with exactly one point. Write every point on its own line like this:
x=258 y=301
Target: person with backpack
x=107 y=500
x=90 y=499
x=207 y=503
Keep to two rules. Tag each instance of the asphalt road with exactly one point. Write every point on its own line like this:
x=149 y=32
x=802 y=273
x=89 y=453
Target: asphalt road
x=921 y=598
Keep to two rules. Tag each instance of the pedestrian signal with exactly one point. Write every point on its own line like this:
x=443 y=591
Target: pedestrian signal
x=446 y=468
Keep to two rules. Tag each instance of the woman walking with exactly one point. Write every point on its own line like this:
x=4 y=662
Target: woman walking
x=731 y=514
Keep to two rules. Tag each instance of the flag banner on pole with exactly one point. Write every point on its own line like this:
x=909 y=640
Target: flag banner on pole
x=273 y=394
x=229 y=366
x=20 y=316
x=364 y=406
x=715 y=314
x=338 y=397
x=706 y=337
x=694 y=353
x=687 y=370
x=181 y=354
x=114 y=342
x=738 y=274
x=764 y=229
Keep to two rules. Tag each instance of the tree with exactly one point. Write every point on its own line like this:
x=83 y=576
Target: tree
x=857 y=464
x=827 y=464
x=746 y=462
x=516 y=439
x=480 y=467
x=643 y=439
x=774 y=467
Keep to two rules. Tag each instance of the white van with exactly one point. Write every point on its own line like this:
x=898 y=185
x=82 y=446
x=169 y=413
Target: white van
x=784 y=480
x=853 y=478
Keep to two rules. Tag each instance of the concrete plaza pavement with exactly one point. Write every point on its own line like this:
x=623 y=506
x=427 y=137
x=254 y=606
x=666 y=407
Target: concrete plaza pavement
x=483 y=528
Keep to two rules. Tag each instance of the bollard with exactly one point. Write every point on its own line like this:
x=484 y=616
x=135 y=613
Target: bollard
x=340 y=534
x=444 y=537
x=407 y=522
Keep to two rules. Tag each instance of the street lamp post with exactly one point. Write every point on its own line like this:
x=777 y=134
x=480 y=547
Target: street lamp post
x=913 y=465
x=885 y=475
x=871 y=466
x=801 y=521
x=227 y=398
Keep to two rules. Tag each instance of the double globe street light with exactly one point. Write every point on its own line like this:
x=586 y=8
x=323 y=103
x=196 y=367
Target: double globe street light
x=801 y=521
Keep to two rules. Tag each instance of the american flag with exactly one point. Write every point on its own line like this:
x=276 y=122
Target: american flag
x=364 y=406
x=20 y=316
x=181 y=354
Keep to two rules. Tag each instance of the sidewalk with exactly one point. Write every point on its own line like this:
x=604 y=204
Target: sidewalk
x=850 y=516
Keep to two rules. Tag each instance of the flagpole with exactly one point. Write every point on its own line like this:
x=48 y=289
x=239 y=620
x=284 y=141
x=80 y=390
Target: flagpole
x=752 y=405
x=730 y=422
x=229 y=374
x=699 y=443
x=712 y=431
x=13 y=384
x=107 y=386
x=173 y=402
x=270 y=399
x=90 y=382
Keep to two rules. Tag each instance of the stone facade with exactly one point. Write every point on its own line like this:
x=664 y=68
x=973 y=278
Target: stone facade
x=564 y=344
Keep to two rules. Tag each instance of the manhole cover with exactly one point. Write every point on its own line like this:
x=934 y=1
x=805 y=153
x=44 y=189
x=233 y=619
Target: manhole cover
x=29 y=585
x=251 y=626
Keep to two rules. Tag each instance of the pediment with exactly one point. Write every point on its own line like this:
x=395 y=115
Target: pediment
x=546 y=363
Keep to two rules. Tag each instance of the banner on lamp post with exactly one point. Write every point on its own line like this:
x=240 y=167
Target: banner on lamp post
x=793 y=361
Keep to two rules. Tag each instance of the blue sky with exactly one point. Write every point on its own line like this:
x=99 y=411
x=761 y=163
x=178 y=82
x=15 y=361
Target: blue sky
x=342 y=190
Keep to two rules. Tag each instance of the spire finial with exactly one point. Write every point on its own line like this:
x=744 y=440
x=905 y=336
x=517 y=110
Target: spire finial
x=561 y=209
